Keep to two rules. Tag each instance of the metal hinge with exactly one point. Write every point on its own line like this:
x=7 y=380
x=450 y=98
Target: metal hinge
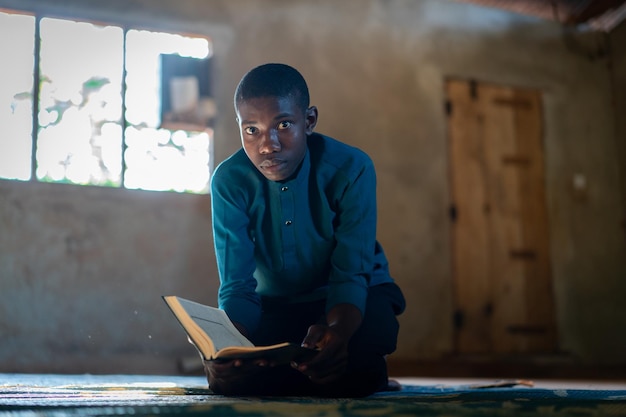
x=473 y=89
x=458 y=319
x=452 y=212
x=448 y=107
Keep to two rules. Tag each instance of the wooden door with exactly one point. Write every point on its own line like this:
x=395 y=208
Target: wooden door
x=502 y=275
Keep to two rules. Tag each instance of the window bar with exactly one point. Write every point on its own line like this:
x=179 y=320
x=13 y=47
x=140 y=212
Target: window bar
x=124 y=122
x=36 y=86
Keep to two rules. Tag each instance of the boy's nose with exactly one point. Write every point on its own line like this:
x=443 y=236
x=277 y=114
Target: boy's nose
x=270 y=143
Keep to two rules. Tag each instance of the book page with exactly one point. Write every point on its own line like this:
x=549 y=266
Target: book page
x=216 y=324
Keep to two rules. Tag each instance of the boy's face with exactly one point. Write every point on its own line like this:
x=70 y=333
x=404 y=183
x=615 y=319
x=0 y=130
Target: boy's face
x=274 y=134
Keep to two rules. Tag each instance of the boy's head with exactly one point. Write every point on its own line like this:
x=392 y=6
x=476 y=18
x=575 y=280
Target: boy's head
x=273 y=80
x=275 y=119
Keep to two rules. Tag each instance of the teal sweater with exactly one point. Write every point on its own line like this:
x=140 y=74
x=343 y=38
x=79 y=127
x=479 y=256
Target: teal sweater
x=310 y=237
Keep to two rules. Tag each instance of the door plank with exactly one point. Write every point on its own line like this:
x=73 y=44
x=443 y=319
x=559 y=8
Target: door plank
x=470 y=240
x=505 y=232
x=535 y=224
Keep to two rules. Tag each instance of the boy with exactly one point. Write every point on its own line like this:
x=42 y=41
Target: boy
x=294 y=225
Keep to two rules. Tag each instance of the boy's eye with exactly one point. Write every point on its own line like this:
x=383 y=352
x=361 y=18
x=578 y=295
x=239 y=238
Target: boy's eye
x=284 y=125
x=250 y=130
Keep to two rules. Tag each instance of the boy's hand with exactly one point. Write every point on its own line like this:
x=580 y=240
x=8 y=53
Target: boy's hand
x=332 y=341
x=229 y=377
x=331 y=361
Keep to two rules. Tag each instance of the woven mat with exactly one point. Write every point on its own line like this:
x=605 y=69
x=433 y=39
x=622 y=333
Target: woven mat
x=110 y=395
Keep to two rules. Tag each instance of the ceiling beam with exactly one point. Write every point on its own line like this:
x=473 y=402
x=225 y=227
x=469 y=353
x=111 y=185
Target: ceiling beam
x=592 y=10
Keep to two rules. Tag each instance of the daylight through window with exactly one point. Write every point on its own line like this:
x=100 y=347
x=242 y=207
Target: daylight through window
x=99 y=110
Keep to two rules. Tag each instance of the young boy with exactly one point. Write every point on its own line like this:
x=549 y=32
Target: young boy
x=294 y=224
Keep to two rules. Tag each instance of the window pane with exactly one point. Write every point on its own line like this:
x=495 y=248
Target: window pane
x=16 y=94
x=160 y=159
x=80 y=106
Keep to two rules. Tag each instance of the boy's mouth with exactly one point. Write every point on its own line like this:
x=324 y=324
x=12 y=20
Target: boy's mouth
x=270 y=163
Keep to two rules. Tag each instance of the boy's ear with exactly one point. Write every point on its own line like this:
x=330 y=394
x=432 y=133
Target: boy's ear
x=310 y=119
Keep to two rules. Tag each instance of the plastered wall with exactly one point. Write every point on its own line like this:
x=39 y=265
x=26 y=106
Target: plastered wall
x=82 y=269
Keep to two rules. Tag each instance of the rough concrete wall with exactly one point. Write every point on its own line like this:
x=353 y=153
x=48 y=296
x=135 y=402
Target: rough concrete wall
x=377 y=71
x=83 y=269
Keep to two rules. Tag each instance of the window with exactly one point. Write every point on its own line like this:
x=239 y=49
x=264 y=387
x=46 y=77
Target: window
x=94 y=117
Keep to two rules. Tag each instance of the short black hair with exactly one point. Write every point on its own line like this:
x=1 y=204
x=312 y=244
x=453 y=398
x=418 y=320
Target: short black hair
x=273 y=80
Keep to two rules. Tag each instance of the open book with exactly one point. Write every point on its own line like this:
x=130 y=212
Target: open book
x=210 y=330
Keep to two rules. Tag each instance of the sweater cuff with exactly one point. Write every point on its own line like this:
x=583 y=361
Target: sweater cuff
x=347 y=292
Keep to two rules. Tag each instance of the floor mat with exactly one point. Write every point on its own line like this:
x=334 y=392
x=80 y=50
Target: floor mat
x=137 y=395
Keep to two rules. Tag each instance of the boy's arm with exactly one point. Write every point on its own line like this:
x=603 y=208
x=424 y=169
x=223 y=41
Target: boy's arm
x=353 y=263
x=353 y=257
x=234 y=252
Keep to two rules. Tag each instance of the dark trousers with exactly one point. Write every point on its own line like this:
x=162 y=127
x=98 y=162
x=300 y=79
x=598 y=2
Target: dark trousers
x=367 y=366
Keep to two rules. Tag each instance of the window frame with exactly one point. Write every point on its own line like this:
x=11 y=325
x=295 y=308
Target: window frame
x=125 y=27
